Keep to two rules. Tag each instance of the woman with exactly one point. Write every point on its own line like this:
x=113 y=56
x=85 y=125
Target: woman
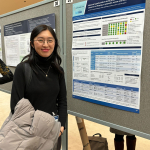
x=6 y=72
x=119 y=140
x=48 y=83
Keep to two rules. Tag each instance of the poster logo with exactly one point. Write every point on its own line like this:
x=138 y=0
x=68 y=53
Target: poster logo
x=79 y=8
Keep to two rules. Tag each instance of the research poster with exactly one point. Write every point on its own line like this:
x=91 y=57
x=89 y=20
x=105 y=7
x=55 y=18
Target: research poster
x=107 y=52
x=17 y=37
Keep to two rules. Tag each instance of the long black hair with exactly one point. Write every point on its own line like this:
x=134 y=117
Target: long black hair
x=56 y=59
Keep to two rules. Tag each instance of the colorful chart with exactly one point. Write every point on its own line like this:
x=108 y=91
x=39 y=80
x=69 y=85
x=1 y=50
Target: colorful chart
x=119 y=28
x=115 y=42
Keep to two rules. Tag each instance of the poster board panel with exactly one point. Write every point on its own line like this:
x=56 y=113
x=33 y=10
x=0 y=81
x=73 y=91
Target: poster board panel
x=137 y=122
x=41 y=10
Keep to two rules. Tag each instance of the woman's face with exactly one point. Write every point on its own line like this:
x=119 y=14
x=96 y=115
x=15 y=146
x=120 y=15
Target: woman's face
x=44 y=43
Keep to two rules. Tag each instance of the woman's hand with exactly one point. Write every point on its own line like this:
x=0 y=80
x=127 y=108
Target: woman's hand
x=61 y=131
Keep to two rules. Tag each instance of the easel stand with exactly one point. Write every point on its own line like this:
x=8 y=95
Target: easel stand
x=83 y=133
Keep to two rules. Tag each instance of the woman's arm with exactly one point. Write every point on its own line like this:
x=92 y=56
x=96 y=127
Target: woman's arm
x=62 y=101
x=18 y=86
x=6 y=72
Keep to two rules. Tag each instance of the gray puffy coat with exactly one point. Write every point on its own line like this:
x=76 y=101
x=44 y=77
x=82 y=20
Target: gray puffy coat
x=29 y=129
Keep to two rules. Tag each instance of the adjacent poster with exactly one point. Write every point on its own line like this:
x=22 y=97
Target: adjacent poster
x=17 y=37
x=107 y=52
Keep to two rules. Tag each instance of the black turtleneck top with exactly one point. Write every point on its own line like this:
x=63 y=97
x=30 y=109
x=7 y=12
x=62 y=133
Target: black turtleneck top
x=43 y=92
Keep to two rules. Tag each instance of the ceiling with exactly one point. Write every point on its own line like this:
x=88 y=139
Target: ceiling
x=11 y=5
